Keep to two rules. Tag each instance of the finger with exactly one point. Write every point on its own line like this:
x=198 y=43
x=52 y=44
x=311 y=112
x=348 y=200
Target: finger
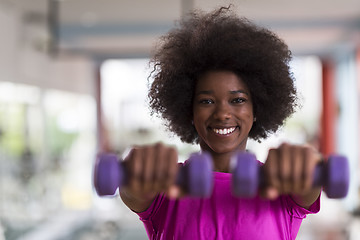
x=172 y=168
x=160 y=167
x=309 y=167
x=272 y=182
x=285 y=168
x=148 y=156
x=134 y=162
x=174 y=192
x=297 y=170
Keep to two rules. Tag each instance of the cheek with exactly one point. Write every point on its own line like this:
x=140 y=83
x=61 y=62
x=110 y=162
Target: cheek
x=247 y=113
x=248 y=118
x=200 y=118
x=199 y=122
x=199 y=114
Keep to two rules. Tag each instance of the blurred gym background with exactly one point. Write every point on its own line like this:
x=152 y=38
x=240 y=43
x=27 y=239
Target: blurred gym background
x=73 y=82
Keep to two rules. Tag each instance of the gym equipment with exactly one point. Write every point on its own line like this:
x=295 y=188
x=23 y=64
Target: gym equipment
x=195 y=176
x=332 y=174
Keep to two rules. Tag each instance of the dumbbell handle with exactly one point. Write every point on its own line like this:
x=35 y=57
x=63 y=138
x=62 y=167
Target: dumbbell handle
x=333 y=175
x=320 y=175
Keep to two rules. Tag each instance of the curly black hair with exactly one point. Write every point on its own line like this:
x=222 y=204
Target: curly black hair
x=220 y=40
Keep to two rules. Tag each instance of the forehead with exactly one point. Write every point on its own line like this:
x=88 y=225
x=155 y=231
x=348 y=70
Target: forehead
x=220 y=80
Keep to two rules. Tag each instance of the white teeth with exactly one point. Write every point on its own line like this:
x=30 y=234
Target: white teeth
x=224 y=131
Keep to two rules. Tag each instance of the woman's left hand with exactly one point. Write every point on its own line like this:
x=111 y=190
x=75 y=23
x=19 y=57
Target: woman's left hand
x=289 y=169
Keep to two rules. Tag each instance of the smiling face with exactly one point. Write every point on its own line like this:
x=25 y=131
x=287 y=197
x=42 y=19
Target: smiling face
x=223 y=112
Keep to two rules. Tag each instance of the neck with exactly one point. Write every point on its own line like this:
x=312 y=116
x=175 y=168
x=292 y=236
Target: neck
x=221 y=161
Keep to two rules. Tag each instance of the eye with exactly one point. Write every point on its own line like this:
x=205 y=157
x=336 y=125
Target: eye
x=206 y=101
x=238 y=100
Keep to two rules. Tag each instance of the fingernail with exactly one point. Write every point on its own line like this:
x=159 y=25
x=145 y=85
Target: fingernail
x=173 y=192
x=272 y=193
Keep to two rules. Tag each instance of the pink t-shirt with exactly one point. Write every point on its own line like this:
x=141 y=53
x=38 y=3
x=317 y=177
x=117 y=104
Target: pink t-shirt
x=223 y=216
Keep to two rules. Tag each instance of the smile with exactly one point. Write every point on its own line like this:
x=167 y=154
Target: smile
x=224 y=131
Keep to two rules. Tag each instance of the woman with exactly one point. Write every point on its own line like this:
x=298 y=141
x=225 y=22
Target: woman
x=219 y=80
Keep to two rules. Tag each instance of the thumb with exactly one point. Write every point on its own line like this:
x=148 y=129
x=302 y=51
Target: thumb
x=175 y=192
x=270 y=193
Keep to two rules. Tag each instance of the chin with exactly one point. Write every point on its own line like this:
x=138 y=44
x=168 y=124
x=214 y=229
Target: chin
x=222 y=150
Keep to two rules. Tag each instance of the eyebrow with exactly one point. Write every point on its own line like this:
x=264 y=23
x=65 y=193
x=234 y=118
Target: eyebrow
x=231 y=92
x=239 y=91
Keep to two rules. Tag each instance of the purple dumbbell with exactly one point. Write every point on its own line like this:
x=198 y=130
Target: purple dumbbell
x=195 y=176
x=333 y=175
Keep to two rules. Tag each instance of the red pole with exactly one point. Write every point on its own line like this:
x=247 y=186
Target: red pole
x=327 y=134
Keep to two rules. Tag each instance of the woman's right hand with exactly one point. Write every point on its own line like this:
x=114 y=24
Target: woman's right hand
x=151 y=169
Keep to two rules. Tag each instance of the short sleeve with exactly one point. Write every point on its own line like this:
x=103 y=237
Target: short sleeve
x=299 y=212
x=145 y=215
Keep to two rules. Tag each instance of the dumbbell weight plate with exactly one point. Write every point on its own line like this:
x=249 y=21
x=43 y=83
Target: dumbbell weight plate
x=200 y=175
x=108 y=174
x=245 y=171
x=337 y=177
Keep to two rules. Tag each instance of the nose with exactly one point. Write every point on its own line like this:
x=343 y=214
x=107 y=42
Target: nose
x=222 y=112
